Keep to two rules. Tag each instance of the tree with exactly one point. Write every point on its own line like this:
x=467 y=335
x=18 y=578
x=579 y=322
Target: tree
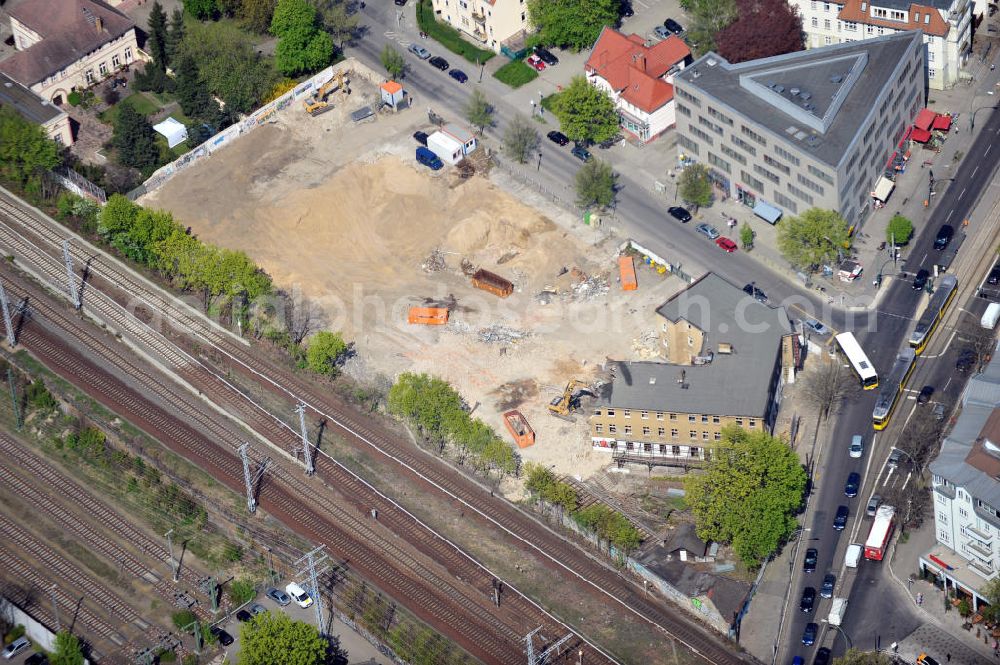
x=158 y=36
x=694 y=186
x=26 y=151
x=175 y=35
x=858 y=657
x=293 y=16
x=241 y=590
x=746 y=236
x=764 y=28
x=203 y=10
x=520 y=138
x=812 y=238
x=572 y=24
x=585 y=113
x=256 y=15
x=910 y=500
x=595 y=184
x=749 y=493
x=341 y=23
x=134 y=139
x=708 y=17
x=982 y=342
x=919 y=439
x=393 y=62
x=302 y=46
x=826 y=386
x=67 y=651
x=190 y=89
x=229 y=64
x=899 y=230
x=478 y=111
x=272 y=633
x=324 y=351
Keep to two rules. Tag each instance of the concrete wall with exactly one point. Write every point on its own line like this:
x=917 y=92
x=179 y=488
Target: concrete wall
x=36 y=632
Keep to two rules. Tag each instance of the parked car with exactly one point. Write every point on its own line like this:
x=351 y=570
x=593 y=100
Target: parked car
x=822 y=656
x=852 y=485
x=278 y=596
x=36 y=659
x=815 y=327
x=966 y=360
x=257 y=608
x=673 y=26
x=419 y=51
x=581 y=153
x=757 y=294
x=920 y=279
x=840 y=519
x=661 y=32
x=809 y=634
x=726 y=245
x=225 y=639
x=925 y=394
x=994 y=276
x=535 y=63
x=812 y=557
x=558 y=138
x=437 y=62
x=459 y=75
x=808 y=599
x=299 y=595
x=798 y=660
x=547 y=57
x=857 y=447
x=944 y=236
x=429 y=159
x=924 y=659
x=709 y=231
x=938 y=411
x=627 y=11
x=16 y=647
x=829 y=581
x=873 y=504
x=679 y=213
x=400 y=3
x=420 y=137
x=895 y=457
x=243 y=616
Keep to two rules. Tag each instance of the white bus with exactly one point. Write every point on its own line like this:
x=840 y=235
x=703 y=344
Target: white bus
x=859 y=361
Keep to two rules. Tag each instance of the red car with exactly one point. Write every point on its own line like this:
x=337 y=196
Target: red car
x=726 y=244
x=536 y=62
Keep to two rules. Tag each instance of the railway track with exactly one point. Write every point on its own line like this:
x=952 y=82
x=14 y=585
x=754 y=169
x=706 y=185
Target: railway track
x=353 y=427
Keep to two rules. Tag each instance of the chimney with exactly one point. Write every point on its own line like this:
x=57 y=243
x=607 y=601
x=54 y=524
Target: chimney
x=99 y=24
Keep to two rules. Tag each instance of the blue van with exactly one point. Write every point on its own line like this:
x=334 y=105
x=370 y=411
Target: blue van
x=429 y=159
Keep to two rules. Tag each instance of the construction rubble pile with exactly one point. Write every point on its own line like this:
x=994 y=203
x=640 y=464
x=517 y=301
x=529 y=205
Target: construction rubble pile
x=501 y=334
x=646 y=346
x=434 y=262
x=573 y=285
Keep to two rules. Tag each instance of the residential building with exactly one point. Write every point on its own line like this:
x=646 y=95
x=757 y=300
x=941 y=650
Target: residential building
x=31 y=107
x=947 y=26
x=66 y=45
x=811 y=129
x=499 y=25
x=966 y=484
x=638 y=78
x=727 y=352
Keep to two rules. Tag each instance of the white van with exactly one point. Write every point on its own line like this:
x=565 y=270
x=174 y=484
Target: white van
x=853 y=556
x=299 y=595
x=990 y=316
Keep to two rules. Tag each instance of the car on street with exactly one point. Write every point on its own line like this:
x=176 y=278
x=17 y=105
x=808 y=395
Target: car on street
x=299 y=595
x=558 y=138
x=420 y=137
x=895 y=457
x=243 y=616
x=459 y=75
x=709 y=231
x=36 y=659
x=857 y=447
x=809 y=634
x=925 y=394
x=938 y=411
x=661 y=32
x=944 y=236
x=822 y=656
x=673 y=26
x=547 y=57
x=812 y=558
x=852 y=485
x=726 y=245
x=924 y=659
x=808 y=599
x=419 y=51
x=840 y=519
x=679 y=213
x=757 y=294
x=994 y=277
x=627 y=11
x=815 y=327
x=225 y=639
x=581 y=153
x=437 y=62
x=829 y=581
x=535 y=63
x=920 y=279
x=966 y=359
x=16 y=647
x=278 y=596
x=873 y=504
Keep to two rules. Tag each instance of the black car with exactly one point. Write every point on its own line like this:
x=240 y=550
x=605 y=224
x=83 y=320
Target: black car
x=812 y=556
x=421 y=138
x=852 y=485
x=925 y=394
x=826 y=590
x=840 y=519
x=459 y=75
x=546 y=56
x=920 y=279
x=673 y=26
x=243 y=616
x=36 y=659
x=400 y=3
x=225 y=639
x=437 y=62
x=627 y=11
x=944 y=236
x=966 y=360
x=822 y=656
x=757 y=294
x=809 y=634
x=581 y=153
x=679 y=213
x=808 y=599
x=994 y=276
x=558 y=138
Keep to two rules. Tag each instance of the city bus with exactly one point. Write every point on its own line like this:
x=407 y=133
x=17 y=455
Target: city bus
x=892 y=387
x=859 y=361
x=878 y=537
x=943 y=295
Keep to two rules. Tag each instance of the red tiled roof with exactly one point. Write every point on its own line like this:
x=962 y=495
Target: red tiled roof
x=69 y=32
x=646 y=92
x=635 y=70
x=918 y=17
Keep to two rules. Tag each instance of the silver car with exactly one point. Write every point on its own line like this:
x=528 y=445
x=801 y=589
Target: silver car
x=278 y=596
x=661 y=32
x=815 y=327
x=419 y=51
x=710 y=231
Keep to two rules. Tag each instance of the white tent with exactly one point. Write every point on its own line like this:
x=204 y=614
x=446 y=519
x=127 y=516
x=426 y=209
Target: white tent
x=173 y=130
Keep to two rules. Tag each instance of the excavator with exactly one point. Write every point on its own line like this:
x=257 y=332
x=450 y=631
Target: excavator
x=317 y=104
x=562 y=406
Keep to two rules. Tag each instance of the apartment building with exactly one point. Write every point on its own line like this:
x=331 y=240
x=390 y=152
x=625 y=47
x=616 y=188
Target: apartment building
x=493 y=24
x=811 y=129
x=638 y=78
x=947 y=26
x=966 y=483
x=66 y=45
x=33 y=108
x=726 y=354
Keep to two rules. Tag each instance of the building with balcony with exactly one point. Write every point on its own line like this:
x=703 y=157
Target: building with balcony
x=33 y=108
x=811 y=129
x=726 y=351
x=947 y=27
x=638 y=78
x=499 y=25
x=966 y=483
x=66 y=45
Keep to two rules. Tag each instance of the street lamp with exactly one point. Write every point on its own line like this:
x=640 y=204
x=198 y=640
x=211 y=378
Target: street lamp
x=972 y=117
x=850 y=643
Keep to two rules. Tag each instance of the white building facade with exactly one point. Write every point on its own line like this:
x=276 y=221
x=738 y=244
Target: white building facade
x=492 y=24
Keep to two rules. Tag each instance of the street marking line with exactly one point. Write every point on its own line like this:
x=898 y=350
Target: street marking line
x=950 y=213
x=975 y=170
x=987 y=150
x=963 y=192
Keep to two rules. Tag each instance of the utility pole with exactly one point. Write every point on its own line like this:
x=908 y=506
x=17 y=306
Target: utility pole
x=543 y=657
x=74 y=294
x=13 y=399
x=55 y=607
x=251 y=478
x=174 y=563
x=307 y=457
x=11 y=340
x=315 y=563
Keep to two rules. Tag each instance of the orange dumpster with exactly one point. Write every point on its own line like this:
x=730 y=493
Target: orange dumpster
x=519 y=428
x=626 y=268
x=428 y=316
x=492 y=282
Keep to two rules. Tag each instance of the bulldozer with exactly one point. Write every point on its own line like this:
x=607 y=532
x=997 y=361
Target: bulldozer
x=563 y=405
x=317 y=104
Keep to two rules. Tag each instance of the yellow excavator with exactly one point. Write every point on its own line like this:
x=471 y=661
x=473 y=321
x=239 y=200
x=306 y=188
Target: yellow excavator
x=317 y=104
x=565 y=403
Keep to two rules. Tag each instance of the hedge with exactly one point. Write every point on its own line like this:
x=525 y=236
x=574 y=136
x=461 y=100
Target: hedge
x=447 y=36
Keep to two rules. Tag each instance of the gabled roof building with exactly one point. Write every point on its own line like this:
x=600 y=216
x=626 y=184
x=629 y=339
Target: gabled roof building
x=33 y=108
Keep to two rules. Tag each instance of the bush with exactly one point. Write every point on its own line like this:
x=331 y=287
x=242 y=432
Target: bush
x=515 y=74
x=232 y=552
x=324 y=351
x=183 y=618
x=15 y=632
x=190 y=659
x=74 y=98
x=448 y=36
x=899 y=230
x=39 y=396
x=242 y=591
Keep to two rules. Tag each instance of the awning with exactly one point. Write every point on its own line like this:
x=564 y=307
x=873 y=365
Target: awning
x=883 y=188
x=766 y=211
x=173 y=130
x=920 y=135
x=942 y=122
x=925 y=119
x=940 y=562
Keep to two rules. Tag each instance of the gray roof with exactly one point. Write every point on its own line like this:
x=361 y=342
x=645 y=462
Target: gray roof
x=984 y=388
x=817 y=99
x=905 y=5
x=24 y=101
x=685 y=537
x=693 y=580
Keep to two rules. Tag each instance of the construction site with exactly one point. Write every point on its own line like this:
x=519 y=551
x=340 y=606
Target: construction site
x=477 y=280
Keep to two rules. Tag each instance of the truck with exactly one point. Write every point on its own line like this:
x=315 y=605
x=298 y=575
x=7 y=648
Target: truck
x=990 y=316
x=837 y=611
x=853 y=556
x=881 y=533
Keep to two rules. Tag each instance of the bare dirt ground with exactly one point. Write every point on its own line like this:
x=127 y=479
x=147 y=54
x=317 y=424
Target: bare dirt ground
x=343 y=213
